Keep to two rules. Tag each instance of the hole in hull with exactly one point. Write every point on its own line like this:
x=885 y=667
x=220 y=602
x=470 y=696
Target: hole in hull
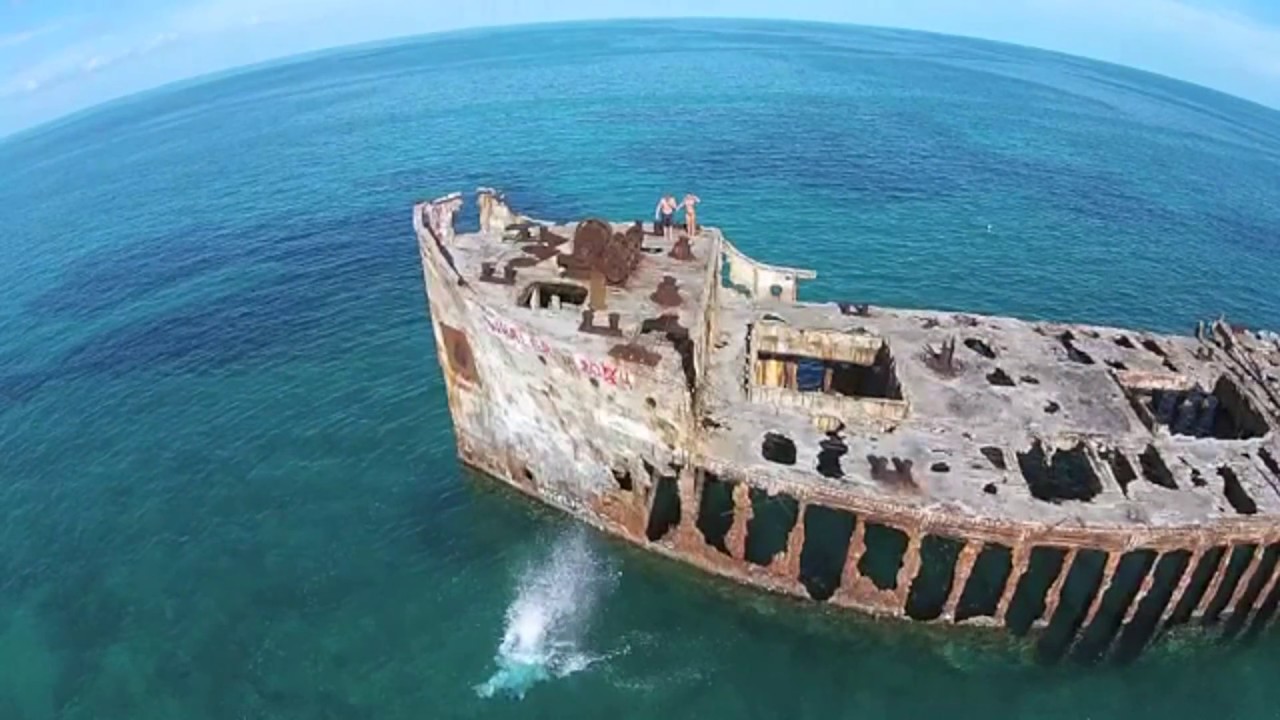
x=665 y=513
x=1241 y=556
x=1116 y=599
x=1197 y=586
x=932 y=585
x=1168 y=572
x=715 y=512
x=883 y=557
x=1044 y=565
x=1240 y=614
x=1084 y=579
x=772 y=518
x=827 y=533
x=981 y=595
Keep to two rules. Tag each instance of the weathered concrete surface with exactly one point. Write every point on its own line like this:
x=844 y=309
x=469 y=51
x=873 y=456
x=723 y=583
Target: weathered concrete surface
x=647 y=389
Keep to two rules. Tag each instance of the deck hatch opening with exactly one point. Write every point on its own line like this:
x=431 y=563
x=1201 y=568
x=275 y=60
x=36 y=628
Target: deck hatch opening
x=995 y=456
x=1269 y=460
x=803 y=373
x=1226 y=413
x=1235 y=493
x=1154 y=469
x=830 y=450
x=827 y=533
x=1121 y=468
x=772 y=519
x=1067 y=475
x=980 y=347
x=543 y=294
x=1074 y=354
x=1000 y=378
x=778 y=448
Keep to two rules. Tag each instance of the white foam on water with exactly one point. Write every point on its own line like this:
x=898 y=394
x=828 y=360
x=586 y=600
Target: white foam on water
x=546 y=624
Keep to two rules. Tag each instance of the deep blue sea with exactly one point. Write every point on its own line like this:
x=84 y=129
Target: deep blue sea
x=228 y=487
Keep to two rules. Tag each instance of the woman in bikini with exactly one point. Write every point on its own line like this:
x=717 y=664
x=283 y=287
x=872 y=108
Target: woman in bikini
x=691 y=214
x=664 y=214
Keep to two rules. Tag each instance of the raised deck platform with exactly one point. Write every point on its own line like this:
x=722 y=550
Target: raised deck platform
x=1102 y=483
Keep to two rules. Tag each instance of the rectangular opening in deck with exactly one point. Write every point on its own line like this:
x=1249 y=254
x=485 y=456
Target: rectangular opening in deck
x=551 y=295
x=1224 y=413
x=1067 y=474
x=840 y=377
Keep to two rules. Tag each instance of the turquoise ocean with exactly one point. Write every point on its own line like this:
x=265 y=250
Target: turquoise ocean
x=228 y=486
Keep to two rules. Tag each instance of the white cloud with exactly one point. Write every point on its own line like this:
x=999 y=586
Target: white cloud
x=24 y=36
x=79 y=60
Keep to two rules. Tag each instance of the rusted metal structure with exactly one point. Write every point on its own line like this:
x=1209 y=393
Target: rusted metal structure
x=1088 y=487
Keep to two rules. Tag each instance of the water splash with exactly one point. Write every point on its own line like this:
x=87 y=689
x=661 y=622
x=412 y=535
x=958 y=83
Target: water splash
x=547 y=622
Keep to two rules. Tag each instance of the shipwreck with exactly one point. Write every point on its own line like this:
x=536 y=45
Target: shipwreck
x=1090 y=489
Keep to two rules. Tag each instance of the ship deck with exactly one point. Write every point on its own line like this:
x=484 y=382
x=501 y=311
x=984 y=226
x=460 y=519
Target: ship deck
x=1014 y=383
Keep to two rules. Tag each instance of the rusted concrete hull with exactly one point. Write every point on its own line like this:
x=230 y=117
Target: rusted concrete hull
x=600 y=440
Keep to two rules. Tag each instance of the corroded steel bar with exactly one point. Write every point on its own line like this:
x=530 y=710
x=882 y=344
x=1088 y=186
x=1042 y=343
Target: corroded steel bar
x=960 y=577
x=849 y=574
x=1054 y=596
x=910 y=566
x=1108 y=577
x=1143 y=590
x=1021 y=556
x=1246 y=578
x=790 y=565
x=1219 y=572
x=1266 y=593
x=1183 y=583
x=689 y=486
x=736 y=539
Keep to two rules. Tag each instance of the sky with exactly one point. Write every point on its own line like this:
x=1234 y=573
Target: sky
x=59 y=56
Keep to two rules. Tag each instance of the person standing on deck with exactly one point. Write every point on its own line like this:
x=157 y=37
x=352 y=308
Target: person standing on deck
x=691 y=214
x=664 y=215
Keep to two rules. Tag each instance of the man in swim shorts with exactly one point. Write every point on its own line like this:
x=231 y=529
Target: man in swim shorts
x=664 y=215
